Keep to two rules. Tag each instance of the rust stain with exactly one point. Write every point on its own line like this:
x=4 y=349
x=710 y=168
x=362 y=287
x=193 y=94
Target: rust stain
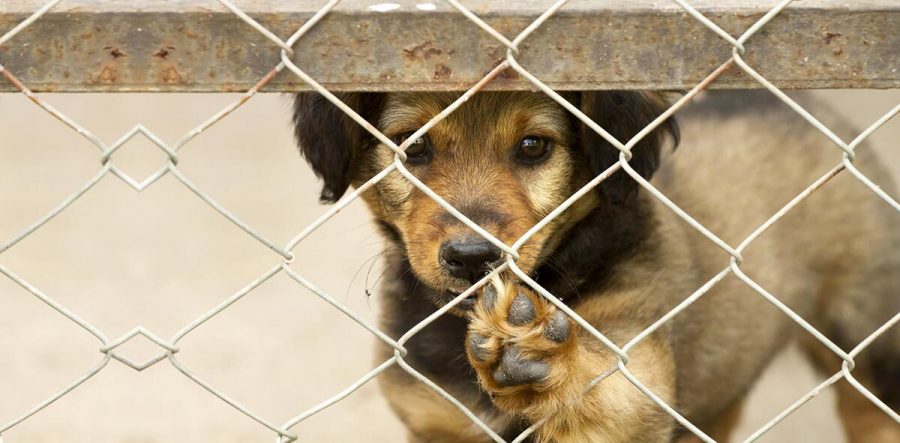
x=114 y=52
x=170 y=75
x=506 y=74
x=108 y=75
x=423 y=51
x=509 y=74
x=164 y=52
x=442 y=72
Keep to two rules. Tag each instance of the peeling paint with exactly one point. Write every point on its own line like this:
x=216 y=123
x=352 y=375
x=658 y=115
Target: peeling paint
x=384 y=7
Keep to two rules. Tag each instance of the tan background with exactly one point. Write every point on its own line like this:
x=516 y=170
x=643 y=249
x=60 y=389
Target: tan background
x=162 y=258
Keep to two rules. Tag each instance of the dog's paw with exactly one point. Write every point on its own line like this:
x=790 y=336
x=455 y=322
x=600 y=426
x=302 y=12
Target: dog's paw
x=520 y=345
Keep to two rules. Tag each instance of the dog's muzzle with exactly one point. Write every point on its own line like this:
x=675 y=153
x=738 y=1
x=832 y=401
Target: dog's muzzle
x=468 y=258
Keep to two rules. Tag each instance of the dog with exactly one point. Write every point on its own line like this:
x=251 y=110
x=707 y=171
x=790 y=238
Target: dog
x=618 y=257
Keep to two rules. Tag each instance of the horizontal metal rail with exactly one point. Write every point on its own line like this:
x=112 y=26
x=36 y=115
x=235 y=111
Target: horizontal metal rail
x=199 y=45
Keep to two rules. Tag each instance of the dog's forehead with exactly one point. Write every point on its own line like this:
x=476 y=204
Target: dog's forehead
x=494 y=106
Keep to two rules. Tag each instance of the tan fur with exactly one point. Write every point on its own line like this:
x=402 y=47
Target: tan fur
x=431 y=418
x=722 y=429
x=833 y=260
x=474 y=166
x=863 y=421
x=569 y=411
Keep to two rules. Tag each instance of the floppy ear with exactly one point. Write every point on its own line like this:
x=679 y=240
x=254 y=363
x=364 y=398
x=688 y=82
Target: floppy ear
x=623 y=114
x=329 y=140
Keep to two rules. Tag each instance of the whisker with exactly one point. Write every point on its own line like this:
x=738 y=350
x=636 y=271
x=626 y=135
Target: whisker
x=371 y=260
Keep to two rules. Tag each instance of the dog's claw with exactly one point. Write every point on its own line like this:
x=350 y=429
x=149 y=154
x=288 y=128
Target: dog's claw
x=521 y=311
x=515 y=370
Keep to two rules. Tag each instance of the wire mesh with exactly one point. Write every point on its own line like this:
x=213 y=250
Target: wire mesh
x=168 y=348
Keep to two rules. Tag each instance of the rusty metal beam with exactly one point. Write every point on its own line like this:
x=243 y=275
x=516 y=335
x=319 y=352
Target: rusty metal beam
x=198 y=45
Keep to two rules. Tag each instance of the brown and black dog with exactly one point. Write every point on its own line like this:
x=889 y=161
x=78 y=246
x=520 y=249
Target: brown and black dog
x=618 y=257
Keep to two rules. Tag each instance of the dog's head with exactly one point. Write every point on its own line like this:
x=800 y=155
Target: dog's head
x=503 y=159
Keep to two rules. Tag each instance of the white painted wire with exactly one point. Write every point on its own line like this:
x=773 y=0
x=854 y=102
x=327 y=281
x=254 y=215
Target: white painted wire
x=169 y=347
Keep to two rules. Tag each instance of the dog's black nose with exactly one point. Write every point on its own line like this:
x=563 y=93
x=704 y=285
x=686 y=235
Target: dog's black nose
x=468 y=258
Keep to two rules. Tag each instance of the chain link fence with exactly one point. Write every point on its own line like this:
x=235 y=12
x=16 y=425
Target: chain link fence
x=168 y=348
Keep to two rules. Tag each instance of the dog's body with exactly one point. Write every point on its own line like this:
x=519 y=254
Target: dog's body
x=621 y=260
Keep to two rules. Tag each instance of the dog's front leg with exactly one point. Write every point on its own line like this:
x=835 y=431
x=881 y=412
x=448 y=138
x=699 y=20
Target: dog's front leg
x=537 y=363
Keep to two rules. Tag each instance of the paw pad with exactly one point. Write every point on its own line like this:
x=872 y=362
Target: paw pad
x=521 y=311
x=557 y=329
x=515 y=370
x=476 y=346
x=516 y=337
x=489 y=297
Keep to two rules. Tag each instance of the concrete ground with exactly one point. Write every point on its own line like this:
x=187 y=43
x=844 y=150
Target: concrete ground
x=162 y=258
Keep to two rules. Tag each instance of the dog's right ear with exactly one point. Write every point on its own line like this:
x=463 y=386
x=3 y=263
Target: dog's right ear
x=623 y=114
x=331 y=141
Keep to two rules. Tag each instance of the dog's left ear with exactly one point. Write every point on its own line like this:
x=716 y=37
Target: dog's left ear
x=623 y=114
x=331 y=141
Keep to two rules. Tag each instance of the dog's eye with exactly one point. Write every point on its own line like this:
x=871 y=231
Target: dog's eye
x=419 y=151
x=532 y=149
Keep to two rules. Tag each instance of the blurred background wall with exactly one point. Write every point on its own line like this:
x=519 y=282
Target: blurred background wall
x=162 y=258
